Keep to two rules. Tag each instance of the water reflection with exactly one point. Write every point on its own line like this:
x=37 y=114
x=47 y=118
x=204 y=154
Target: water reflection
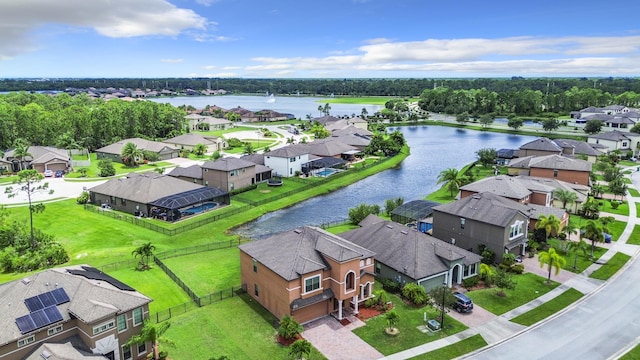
x=433 y=149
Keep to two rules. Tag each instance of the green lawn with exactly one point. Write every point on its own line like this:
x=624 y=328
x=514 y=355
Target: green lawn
x=257 y=145
x=634 y=239
x=623 y=208
x=616 y=229
x=455 y=350
x=409 y=336
x=92 y=171
x=238 y=328
x=633 y=354
x=583 y=261
x=10 y=179
x=633 y=192
x=611 y=267
x=208 y=272
x=529 y=287
x=549 y=308
x=155 y=284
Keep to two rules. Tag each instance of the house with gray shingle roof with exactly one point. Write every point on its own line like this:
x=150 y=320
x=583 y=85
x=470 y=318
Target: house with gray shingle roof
x=581 y=148
x=287 y=161
x=75 y=312
x=407 y=255
x=114 y=151
x=489 y=220
x=553 y=167
x=229 y=173
x=307 y=273
x=616 y=140
x=42 y=158
x=190 y=140
x=539 y=147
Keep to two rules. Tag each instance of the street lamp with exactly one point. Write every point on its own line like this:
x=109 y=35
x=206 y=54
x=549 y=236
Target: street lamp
x=444 y=289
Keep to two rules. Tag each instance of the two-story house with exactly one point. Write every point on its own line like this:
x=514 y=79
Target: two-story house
x=71 y=312
x=287 y=161
x=553 y=167
x=229 y=173
x=407 y=255
x=616 y=140
x=307 y=273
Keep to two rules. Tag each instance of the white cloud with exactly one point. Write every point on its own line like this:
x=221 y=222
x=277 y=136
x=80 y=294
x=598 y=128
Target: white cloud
x=206 y=2
x=18 y=20
x=172 y=61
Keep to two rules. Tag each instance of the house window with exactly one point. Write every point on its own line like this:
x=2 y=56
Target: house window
x=377 y=268
x=103 y=327
x=555 y=173
x=350 y=281
x=123 y=202
x=231 y=186
x=126 y=352
x=361 y=263
x=515 y=230
x=293 y=159
x=462 y=221
x=142 y=348
x=312 y=283
x=137 y=316
x=54 y=330
x=255 y=265
x=624 y=144
x=233 y=172
x=256 y=289
x=121 y=321
x=368 y=261
x=26 y=341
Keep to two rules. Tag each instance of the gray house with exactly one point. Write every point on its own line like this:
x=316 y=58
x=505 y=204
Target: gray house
x=406 y=255
x=486 y=219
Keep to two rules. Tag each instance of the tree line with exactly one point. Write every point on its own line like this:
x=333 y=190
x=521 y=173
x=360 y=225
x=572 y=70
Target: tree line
x=344 y=87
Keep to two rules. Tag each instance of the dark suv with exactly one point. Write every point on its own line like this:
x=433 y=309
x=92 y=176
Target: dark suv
x=463 y=304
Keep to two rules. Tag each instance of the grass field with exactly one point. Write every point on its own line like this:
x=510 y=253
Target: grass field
x=409 y=319
x=623 y=208
x=611 y=267
x=455 y=350
x=634 y=192
x=208 y=272
x=582 y=261
x=634 y=238
x=155 y=284
x=529 y=287
x=237 y=327
x=93 y=172
x=548 y=308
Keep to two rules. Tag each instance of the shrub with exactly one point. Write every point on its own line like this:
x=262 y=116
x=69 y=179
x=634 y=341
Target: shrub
x=391 y=285
x=562 y=236
x=361 y=211
x=83 y=198
x=517 y=268
x=289 y=327
x=614 y=204
x=415 y=293
x=151 y=156
x=106 y=168
x=470 y=282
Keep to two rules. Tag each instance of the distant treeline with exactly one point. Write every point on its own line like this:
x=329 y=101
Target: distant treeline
x=338 y=87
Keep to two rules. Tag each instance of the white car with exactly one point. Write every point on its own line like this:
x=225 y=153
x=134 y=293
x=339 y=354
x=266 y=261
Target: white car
x=48 y=173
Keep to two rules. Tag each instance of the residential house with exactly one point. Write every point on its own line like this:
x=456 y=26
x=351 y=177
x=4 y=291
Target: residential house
x=581 y=149
x=617 y=140
x=307 y=273
x=490 y=220
x=190 y=140
x=191 y=173
x=287 y=161
x=153 y=195
x=553 y=167
x=74 y=312
x=114 y=151
x=406 y=255
x=229 y=173
x=540 y=147
x=194 y=120
x=42 y=158
x=331 y=147
x=356 y=122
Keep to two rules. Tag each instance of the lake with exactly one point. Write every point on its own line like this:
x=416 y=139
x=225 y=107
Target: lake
x=299 y=106
x=433 y=149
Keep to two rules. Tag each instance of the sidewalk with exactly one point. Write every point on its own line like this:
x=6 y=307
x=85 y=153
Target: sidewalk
x=500 y=328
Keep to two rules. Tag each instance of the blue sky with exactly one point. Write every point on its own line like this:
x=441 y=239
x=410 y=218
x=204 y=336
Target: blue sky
x=318 y=39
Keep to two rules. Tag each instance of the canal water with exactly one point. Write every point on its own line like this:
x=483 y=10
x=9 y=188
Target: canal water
x=433 y=149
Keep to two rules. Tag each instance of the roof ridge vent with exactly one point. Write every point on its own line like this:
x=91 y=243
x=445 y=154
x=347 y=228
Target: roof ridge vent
x=26 y=281
x=389 y=226
x=404 y=232
x=297 y=231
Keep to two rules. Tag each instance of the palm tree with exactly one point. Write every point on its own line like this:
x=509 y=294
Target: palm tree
x=131 y=154
x=486 y=273
x=200 y=149
x=569 y=229
x=566 y=197
x=299 y=349
x=145 y=252
x=553 y=260
x=21 y=151
x=289 y=328
x=152 y=333
x=593 y=231
x=597 y=189
x=551 y=225
x=451 y=178
x=577 y=247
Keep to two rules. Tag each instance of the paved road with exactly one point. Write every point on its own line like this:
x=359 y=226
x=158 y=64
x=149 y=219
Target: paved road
x=601 y=327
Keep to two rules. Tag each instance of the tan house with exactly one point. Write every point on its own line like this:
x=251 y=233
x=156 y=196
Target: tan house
x=42 y=158
x=114 y=151
x=75 y=312
x=307 y=273
x=190 y=140
x=229 y=173
x=553 y=167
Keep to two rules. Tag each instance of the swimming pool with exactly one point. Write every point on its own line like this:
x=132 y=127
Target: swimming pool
x=198 y=209
x=326 y=172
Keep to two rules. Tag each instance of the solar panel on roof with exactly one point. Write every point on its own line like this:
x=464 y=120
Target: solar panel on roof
x=33 y=303
x=60 y=295
x=47 y=299
x=40 y=318
x=25 y=324
x=53 y=314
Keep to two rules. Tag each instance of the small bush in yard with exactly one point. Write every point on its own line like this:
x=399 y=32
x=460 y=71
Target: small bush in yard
x=415 y=293
x=470 y=282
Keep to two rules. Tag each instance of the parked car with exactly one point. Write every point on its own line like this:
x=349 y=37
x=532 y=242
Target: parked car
x=463 y=303
x=48 y=173
x=59 y=173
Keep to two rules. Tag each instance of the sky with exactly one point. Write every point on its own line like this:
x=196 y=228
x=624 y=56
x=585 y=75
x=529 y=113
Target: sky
x=319 y=39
